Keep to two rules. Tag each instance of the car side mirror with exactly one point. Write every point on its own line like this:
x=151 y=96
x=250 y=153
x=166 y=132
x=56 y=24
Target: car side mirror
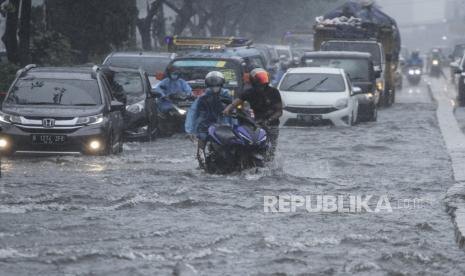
x=356 y=90
x=117 y=106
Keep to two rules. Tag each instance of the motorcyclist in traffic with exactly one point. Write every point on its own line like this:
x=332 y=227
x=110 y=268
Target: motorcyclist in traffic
x=207 y=110
x=266 y=103
x=415 y=60
x=173 y=84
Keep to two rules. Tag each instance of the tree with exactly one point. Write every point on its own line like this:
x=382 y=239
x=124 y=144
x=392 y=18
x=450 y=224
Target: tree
x=93 y=28
x=11 y=29
x=145 y=24
x=25 y=32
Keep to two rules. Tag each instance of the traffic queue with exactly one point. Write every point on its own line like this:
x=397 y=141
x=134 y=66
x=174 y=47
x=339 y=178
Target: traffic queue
x=141 y=96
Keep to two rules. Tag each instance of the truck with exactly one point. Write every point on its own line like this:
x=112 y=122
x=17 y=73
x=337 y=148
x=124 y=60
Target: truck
x=351 y=23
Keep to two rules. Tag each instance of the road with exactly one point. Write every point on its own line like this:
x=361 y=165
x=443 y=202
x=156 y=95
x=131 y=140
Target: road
x=151 y=212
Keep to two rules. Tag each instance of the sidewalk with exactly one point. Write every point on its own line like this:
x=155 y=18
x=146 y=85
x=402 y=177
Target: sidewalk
x=454 y=138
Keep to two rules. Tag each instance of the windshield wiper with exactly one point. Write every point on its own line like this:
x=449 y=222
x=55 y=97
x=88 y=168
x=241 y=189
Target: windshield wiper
x=38 y=103
x=299 y=83
x=318 y=84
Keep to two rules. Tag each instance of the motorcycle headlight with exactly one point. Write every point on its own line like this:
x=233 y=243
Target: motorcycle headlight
x=135 y=108
x=411 y=72
x=435 y=62
x=180 y=110
x=380 y=85
x=418 y=72
x=369 y=96
x=342 y=103
x=90 y=120
x=9 y=119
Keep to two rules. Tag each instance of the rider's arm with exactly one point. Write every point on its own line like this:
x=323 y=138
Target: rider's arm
x=237 y=102
x=186 y=88
x=161 y=87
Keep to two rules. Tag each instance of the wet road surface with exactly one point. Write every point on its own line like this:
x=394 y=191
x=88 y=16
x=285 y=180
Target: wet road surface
x=149 y=209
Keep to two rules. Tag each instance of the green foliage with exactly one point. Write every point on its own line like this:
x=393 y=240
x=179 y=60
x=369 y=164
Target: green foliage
x=7 y=75
x=51 y=49
x=93 y=27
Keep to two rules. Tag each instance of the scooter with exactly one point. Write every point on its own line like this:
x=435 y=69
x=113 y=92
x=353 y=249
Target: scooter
x=172 y=113
x=414 y=75
x=235 y=147
x=435 y=68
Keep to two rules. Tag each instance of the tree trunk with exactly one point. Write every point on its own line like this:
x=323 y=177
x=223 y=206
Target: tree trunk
x=10 y=38
x=144 y=30
x=25 y=32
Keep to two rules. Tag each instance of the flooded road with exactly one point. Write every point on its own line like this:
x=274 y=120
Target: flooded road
x=150 y=209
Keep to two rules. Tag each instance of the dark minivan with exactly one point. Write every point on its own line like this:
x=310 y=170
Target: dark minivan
x=61 y=110
x=360 y=68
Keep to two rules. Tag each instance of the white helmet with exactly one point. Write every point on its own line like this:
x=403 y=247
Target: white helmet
x=215 y=80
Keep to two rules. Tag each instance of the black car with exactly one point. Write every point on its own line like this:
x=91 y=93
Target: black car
x=132 y=87
x=150 y=62
x=361 y=70
x=460 y=81
x=61 y=110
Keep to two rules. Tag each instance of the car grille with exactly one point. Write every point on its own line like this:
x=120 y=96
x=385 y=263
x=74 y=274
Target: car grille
x=306 y=110
x=48 y=130
x=42 y=117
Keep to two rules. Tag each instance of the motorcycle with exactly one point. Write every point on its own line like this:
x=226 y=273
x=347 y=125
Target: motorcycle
x=414 y=75
x=235 y=147
x=435 y=68
x=172 y=113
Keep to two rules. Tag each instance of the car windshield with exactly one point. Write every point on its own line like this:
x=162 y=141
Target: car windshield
x=151 y=65
x=132 y=85
x=371 y=48
x=195 y=70
x=358 y=69
x=303 y=82
x=42 y=91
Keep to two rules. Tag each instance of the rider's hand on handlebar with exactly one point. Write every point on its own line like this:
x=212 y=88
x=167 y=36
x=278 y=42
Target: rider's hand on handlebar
x=228 y=110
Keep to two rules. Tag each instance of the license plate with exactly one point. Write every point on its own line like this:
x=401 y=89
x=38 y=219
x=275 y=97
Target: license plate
x=44 y=139
x=310 y=118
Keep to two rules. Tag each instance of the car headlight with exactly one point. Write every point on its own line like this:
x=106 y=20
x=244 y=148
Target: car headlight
x=136 y=108
x=418 y=72
x=411 y=72
x=9 y=119
x=380 y=85
x=342 y=103
x=90 y=120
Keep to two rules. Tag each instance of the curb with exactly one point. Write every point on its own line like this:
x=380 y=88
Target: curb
x=455 y=143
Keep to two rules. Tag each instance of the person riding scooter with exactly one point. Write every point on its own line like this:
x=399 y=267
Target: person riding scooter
x=207 y=110
x=266 y=103
x=175 y=97
x=415 y=60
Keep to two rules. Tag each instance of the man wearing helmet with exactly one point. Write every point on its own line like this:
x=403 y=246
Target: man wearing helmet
x=415 y=59
x=266 y=103
x=173 y=83
x=207 y=109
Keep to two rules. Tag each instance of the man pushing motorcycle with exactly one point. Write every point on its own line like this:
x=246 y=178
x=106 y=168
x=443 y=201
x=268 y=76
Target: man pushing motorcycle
x=266 y=103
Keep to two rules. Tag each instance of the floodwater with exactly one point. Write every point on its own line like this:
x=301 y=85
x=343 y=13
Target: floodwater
x=151 y=212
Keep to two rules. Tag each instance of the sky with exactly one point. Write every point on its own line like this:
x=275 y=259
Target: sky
x=408 y=12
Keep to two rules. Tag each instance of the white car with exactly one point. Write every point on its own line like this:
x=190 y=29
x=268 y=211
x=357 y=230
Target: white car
x=318 y=95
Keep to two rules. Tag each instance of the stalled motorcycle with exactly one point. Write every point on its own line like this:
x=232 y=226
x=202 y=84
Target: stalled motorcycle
x=172 y=113
x=235 y=147
x=414 y=75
